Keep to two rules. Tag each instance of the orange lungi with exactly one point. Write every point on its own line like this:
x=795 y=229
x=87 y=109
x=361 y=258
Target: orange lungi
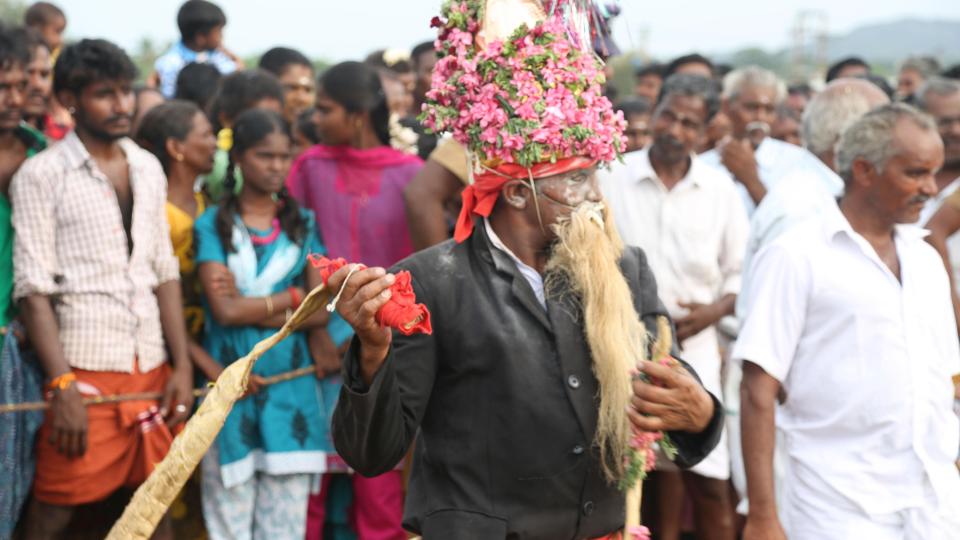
x=124 y=441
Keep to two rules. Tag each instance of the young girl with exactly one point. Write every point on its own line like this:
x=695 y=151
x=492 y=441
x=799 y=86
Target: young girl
x=238 y=92
x=354 y=183
x=256 y=477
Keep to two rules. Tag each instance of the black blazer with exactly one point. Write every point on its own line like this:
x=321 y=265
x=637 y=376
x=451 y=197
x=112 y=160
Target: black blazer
x=501 y=400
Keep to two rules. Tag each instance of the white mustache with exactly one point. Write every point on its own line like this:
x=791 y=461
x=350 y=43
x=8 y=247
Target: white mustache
x=759 y=126
x=592 y=211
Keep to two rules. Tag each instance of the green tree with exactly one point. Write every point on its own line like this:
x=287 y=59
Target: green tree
x=145 y=55
x=757 y=57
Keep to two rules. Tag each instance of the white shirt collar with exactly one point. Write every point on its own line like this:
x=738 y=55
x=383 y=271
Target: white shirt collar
x=641 y=169
x=528 y=272
x=836 y=222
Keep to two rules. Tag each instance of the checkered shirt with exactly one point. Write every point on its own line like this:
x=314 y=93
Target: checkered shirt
x=70 y=245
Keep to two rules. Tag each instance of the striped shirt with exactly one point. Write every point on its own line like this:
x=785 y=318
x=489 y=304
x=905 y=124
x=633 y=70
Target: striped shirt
x=70 y=245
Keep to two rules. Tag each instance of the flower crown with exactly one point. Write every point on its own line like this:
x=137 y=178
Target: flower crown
x=534 y=97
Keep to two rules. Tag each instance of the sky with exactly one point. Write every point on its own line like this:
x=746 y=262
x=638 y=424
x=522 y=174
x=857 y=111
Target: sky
x=349 y=29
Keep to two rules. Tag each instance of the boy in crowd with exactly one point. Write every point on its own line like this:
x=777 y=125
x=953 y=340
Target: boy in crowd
x=49 y=21
x=201 y=26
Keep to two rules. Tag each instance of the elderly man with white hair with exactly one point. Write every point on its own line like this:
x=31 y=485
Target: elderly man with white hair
x=756 y=161
x=849 y=327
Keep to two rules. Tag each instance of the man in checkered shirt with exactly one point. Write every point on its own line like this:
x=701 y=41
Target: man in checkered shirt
x=98 y=288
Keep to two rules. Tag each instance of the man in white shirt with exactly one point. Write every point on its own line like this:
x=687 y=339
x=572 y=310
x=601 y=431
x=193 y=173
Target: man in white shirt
x=689 y=220
x=802 y=195
x=850 y=327
x=756 y=161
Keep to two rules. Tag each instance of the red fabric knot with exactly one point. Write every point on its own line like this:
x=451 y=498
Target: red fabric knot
x=480 y=197
x=327 y=266
x=401 y=312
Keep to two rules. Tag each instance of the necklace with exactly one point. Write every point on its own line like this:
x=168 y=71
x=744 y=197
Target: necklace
x=265 y=240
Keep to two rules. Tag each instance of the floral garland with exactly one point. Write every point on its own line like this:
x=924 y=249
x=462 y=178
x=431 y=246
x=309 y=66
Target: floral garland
x=532 y=98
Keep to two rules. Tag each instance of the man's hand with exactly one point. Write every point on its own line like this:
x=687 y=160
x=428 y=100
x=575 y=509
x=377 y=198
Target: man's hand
x=738 y=157
x=680 y=404
x=178 y=396
x=758 y=528
x=325 y=356
x=699 y=318
x=69 y=425
x=365 y=293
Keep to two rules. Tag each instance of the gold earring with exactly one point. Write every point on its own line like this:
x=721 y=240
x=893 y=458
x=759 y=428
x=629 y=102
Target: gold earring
x=179 y=157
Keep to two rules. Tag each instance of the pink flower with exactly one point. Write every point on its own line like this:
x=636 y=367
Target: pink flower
x=552 y=85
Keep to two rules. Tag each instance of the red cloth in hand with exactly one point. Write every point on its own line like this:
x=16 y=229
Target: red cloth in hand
x=401 y=312
x=327 y=266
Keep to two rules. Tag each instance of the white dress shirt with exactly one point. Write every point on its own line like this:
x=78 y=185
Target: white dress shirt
x=775 y=160
x=803 y=194
x=694 y=236
x=528 y=272
x=865 y=361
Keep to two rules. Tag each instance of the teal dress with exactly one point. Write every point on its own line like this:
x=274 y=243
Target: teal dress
x=285 y=428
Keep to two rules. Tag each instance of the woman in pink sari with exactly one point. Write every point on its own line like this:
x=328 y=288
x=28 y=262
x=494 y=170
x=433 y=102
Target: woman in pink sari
x=353 y=182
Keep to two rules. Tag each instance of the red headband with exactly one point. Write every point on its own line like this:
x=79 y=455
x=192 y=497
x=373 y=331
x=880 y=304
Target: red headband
x=480 y=197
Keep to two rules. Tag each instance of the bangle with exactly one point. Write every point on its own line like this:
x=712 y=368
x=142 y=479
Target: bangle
x=295 y=299
x=62 y=382
x=269 y=302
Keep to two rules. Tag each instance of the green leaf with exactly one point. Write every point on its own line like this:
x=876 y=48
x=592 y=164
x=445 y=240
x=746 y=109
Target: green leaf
x=506 y=105
x=668 y=447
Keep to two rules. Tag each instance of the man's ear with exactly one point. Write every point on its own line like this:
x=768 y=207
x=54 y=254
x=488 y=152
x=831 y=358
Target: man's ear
x=863 y=173
x=516 y=193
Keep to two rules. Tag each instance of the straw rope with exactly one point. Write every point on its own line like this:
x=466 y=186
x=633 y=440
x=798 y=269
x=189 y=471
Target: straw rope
x=153 y=498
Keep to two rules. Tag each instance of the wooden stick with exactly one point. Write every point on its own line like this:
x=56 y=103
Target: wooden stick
x=661 y=349
x=145 y=396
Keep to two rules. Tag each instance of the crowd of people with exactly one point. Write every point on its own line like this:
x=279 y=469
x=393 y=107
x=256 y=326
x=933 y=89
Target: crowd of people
x=151 y=233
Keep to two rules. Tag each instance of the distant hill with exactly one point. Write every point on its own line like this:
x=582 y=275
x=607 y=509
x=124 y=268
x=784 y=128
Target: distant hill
x=892 y=41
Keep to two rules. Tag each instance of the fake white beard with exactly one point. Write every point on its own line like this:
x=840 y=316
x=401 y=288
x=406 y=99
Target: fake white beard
x=585 y=262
